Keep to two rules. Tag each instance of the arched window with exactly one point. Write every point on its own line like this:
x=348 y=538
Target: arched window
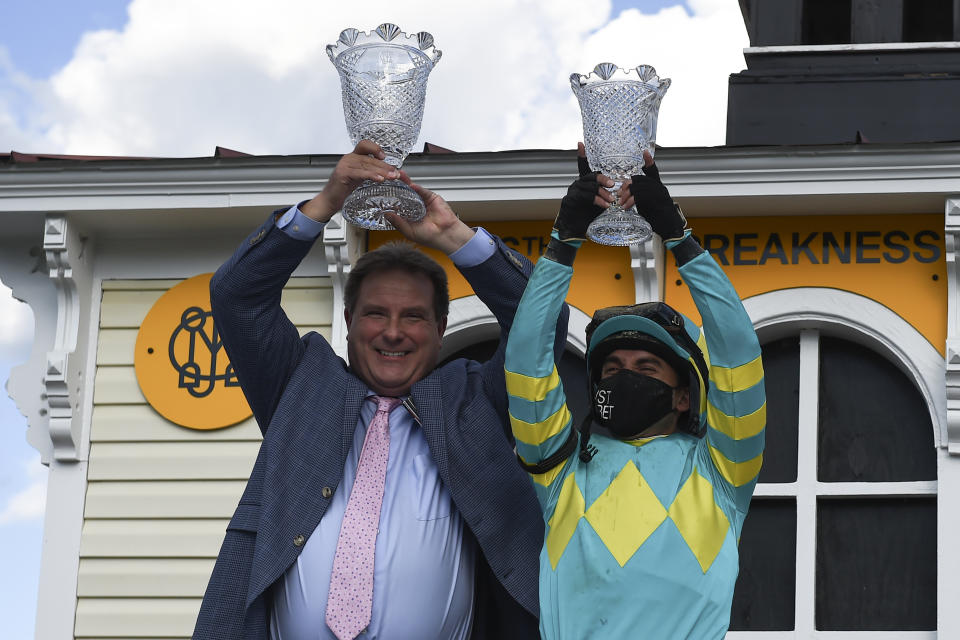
x=842 y=531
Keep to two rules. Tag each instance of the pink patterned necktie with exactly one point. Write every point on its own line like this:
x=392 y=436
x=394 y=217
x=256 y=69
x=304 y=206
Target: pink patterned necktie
x=350 y=598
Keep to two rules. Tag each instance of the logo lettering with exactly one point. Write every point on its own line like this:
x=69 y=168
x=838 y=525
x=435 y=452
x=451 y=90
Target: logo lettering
x=192 y=373
x=181 y=365
x=826 y=247
x=604 y=404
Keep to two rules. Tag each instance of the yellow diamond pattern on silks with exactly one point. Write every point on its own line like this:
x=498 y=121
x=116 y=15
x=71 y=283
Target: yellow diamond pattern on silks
x=564 y=521
x=701 y=522
x=626 y=513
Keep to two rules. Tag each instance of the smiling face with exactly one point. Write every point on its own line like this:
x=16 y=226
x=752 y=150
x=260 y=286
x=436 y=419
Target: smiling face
x=394 y=336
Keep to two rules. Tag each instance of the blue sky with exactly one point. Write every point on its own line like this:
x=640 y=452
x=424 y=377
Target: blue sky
x=39 y=45
x=81 y=76
x=40 y=35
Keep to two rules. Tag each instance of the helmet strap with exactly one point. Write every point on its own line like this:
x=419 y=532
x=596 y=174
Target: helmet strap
x=587 y=451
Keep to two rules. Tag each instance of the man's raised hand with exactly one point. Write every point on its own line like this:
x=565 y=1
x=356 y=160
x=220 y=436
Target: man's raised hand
x=585 y=200
x=439 y=229
x=365 y=162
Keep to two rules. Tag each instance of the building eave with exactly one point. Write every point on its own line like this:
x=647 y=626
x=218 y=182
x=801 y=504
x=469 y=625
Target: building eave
x=789 y=180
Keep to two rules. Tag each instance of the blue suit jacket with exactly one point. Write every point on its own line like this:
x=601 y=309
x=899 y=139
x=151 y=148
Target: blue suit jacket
x=307 y=402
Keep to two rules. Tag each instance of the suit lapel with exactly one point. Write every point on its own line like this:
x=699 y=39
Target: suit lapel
x=355 y=393
x=427 y=396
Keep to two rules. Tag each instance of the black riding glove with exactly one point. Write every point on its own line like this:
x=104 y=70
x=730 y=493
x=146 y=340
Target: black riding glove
x=654 y=203
x=577 y=209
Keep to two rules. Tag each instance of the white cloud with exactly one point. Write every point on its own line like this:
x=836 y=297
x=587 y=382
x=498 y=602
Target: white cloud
x=30 y=503
x=184 y=76
x=698 y=53
x=20 y=121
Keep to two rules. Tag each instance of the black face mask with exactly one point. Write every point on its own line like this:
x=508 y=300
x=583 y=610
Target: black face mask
x=627 y=403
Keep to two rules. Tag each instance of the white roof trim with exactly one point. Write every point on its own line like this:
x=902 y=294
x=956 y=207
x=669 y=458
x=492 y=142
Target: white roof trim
x=862 y=47
x=909 y=171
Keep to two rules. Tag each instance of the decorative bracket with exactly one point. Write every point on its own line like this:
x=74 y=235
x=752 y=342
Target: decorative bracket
x=952 y=241
x=646 y=262
x=68 y=264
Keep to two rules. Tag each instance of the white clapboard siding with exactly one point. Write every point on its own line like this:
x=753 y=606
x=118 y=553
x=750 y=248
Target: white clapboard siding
x=171 y=460
x=117 y=385
x=143 y=285
x=126 y=309
x=115 y=346
x=136 y=617
x=159 y=496
x=144 y=578
x=163 y=499
x=140 y=422
x=151 y=538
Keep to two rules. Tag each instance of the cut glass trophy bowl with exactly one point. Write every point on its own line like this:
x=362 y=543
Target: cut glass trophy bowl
x=383 y=80
x=619 y=109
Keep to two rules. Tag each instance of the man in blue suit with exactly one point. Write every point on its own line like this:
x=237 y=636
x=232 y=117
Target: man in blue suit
x=454 y=534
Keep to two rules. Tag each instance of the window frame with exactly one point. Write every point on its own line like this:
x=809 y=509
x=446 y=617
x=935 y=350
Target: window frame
x=812 y=312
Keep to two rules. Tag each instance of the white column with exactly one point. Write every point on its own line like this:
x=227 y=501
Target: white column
x=948 y=551
x=952 y=242
x=809 y=403
x=646 y=262
x=51 y=390
x=337 y=238
x=948 y=463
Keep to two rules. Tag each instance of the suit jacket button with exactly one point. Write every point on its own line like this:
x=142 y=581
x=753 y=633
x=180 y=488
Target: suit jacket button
x=298 y=540
x=255 y=239
x=326 y=492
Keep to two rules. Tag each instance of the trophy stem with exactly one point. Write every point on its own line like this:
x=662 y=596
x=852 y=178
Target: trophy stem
x=368 y=202
x=393 y=157
x=619 y=227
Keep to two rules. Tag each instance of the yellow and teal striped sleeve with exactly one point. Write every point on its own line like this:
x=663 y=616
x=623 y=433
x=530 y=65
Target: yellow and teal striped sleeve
x=539 y=416
x=736 y=410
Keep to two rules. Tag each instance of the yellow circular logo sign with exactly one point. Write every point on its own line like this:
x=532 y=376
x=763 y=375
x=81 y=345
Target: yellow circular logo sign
x=181 y=366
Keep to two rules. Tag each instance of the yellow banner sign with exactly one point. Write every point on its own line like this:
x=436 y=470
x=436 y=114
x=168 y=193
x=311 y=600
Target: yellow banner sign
x=180 y=364
x=895 y=260
x=602 y=276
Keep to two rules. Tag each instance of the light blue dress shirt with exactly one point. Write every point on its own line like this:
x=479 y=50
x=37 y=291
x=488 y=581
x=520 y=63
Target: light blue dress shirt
x=423 y=579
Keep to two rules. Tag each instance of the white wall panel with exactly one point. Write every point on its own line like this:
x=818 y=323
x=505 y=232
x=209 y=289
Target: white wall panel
x=116 y=346
x=161 y=578
x=159 y=495
x=173 y=499
x=140 y=285
x=140 y=423
x=171 y=460
x=136 y=617
x=152 y=539
x=117 y=385
x=126 y=309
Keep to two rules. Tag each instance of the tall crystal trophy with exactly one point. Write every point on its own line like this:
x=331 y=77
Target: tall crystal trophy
x=619 y=109
x=383 y=80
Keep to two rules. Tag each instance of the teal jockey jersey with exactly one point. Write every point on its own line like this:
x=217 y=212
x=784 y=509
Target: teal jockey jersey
x=642 y=541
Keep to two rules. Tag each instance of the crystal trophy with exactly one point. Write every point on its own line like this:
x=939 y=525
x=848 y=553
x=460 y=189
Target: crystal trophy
x=383 y=80
x=619 y=109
